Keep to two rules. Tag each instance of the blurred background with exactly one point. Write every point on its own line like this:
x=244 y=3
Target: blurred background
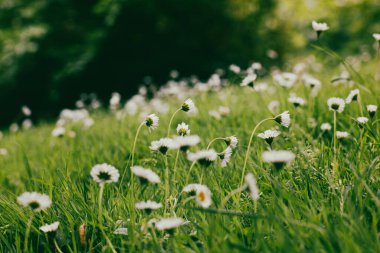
x=51 y=51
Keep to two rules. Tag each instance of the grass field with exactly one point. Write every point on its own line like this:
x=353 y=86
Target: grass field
x=325 y=200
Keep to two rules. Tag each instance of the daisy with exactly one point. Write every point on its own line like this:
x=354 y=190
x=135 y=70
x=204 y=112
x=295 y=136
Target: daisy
x=183 y=129
x=48 y=228
x=58 y=132
x=3 y=152
x=145 y=175
x=121 y=231
x=169 y=223
x=105 y=173
x=251 y=183
x=13 y=128
x=311 y=82
x=371 y=109
x=34 y=200
x=188 y=106
x=204 y=157
x=342 y=135
x=27 y=124
x=269 y=135
x=353 y=96
x=234 y=68
x=191 y=188
x=319 y=27
x=26 y=111
x=223 y=111
x=203 y=196
x=336 y=104
x=326 y=127
x=283 y=119
x=163 y=145
x=115 y=101
x=225 y=156
x=376 y=36
x=285 y=79
x=148 y=205
x=362 y=121
x=249 y=80
x=185 y=142
x=151 y=121
x=231 y=141
x=296 y=101
x=278 y=157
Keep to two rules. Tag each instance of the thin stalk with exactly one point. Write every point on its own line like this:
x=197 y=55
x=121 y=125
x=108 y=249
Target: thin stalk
x=188 y=174
x=249 y=147
x=171 y=119
x=27 y=232
x=213 y=140
x=231 y=193
x=360 y=105
x=334 y=136
x=100 y=200
x=175 y=164
x=135 y=141
x=57 y=247
x=166 y=178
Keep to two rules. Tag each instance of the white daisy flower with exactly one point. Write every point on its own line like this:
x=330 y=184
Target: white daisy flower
x=336 y=104
x=26 y=111
x=326 y=126
x=121 y=231
x=203 y=196
x=151 y=121
x=163 y=145
x=223 y=111
x=204 y=157
x=269 y=135
x=145 y=174
x=3 y=152
x=105 y=173
x=225 y=156
x=362 y=121
x=48 y=228
x=371 y=109
x=58 y=131
x=234 y=68
x=34 y=200
x=376 y=36
x=115 y=101
x=169 y=223
x=249 y=80
x=353 y=96
x=27 y=124
x=273 y=106
x=13 y=128
x=311 y=82
x=188 y=106
x=285 y=79
x=183 y=129
x=251 y=183
x=283 y=119
x=87 y=123
x=296 y=101
x=190 y=188
x=319 y=27
x=215 y=114
x=342 y=134
x=150 y=205
x=232 y=141
x=185 y=142
x=278 y=157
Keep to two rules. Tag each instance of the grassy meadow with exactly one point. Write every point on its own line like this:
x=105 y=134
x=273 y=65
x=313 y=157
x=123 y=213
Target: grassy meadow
x=325 y=200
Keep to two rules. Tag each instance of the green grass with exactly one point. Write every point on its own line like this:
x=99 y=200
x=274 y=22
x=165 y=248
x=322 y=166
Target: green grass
x=306 y=207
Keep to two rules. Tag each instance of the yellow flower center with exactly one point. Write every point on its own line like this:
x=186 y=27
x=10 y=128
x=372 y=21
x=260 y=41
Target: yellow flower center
x=201 y=196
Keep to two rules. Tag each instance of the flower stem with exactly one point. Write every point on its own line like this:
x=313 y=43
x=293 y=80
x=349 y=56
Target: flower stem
x=249 y=146
x=57 y=247
x=166 y=178
x=100 y=200
x=175 y=164
x=213 y=140
x=334 y=140
x=231 y=193
x=27 y=232
x=188 y=174
x=171 y=119
x=134 y=143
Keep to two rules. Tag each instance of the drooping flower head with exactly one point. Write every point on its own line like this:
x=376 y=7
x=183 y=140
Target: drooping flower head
x=169 y=224
x=269 y=135
x=34 y=200
x=188 y=106
x=353 y=96
x=183 y=129
x=319 y=27
x=26 y=111
x=278 y=157
x=50 y=228
x=225 y=156
x=326 y=127
x=371 y=109
x=342 y=134
x=285 y=79
x=151 y=121
x=203 y=157
x=249 y=80
x=336 y=104
x=148 y=205
x=232 y=141
x=362 y=121
x=105 y=173
x=163 y=145
x=185 y=142
x=191 y=188
x=283 y=119
x=145 y=175
x=296 y=101
x=376 y=36
x=251 y=183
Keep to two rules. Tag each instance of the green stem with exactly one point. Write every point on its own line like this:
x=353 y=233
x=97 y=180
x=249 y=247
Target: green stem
x=249 y=146
x=334 y=136
x=166 y=178
x=27 y=232
x=213 y=140
x=100 y=214
x=360 y=105
x=231 y=193
x=135 y=141
x=175 y=164
x=57 y=247
x=188 y=174
x=171 y=119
